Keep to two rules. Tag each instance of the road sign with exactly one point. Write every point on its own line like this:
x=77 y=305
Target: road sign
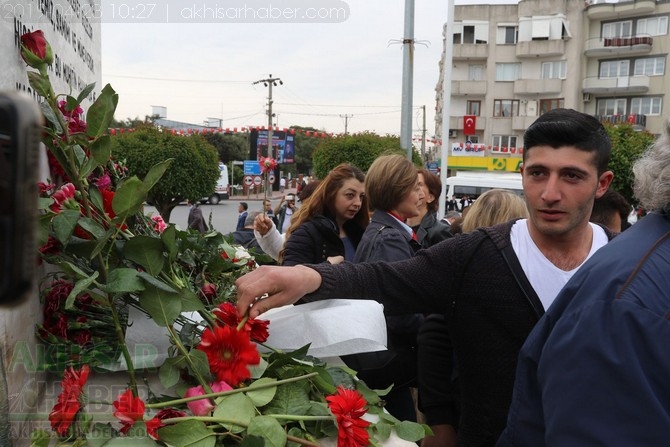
x=271 y=178
x=248 y=180
x=252 y=167
x=238 y=163
x=258 y=180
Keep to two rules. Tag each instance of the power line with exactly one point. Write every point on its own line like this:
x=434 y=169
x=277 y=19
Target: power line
x=217 y=81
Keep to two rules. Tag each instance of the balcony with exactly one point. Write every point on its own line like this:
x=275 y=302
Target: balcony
x=522 y=122
x=456 y=122
x=538 y=86
x=540 y=48
x=638 y=122
x=607 y=9
x=618 y=46
x=470 y=51
x=624 y=84
x=468 y=88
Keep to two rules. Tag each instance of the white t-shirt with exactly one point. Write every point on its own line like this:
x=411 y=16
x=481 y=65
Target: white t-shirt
x=287 y=220
x=545 y=277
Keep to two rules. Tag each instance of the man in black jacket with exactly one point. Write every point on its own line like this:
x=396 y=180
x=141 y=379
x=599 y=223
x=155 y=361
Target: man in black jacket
x=493 y=285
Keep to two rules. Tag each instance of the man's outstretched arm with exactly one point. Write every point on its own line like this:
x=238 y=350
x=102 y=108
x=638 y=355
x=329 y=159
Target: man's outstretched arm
x=283 y=285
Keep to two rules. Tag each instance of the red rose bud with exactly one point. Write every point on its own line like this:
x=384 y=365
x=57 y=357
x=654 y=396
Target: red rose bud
x=35 y=50
x=209 y=291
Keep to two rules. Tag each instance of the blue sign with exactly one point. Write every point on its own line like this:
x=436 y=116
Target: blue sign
x=252 y=167
x=432 y=167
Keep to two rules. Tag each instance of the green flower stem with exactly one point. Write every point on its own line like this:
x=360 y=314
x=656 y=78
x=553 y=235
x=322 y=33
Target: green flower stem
x=184 y=351
x=184 y=400
x=124 y=347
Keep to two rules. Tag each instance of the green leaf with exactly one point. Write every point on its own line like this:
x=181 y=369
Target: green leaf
x=101 y=149
x=101 y=112
x=200 y=362
x=169 y=373
x=157 y=283
x=291 y=398
x=40 y=438
x=39 y=84
x=164 y=307
x=147 y=252
x=261 y=397
x=123 y=280
x=85 y=92
x=129 y=197
x=129 y=441
x=268 y=428
x=383 y=429
x=64 y=224
x=89 y=166
x=79 y=287
x=237 y=409
x=410 y=431
x=169 y=240
x=156 y=172
x=190 y=301
x=92 y=227
x=51 y=117
x=187 y=434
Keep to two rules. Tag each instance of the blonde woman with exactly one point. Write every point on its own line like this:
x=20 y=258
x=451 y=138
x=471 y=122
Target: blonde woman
x=493 y=207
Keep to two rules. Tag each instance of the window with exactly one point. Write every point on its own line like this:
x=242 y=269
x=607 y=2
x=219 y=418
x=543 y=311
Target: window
x=475 y=72
x=471 y=32
x=614 y=69
x=650 y=66
x=508 y=72
x=508 y=34
x=502 y=143
x=550 y=104
x=653 y=26
x=646 y=105
x=612 y=106
x=506 y=107
x=617 y=29
x=473 y=108
x=554 y=70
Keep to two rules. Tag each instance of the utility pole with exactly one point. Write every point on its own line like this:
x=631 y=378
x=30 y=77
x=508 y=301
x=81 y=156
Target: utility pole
x=407 y=79
x=446 y=103
x=346 y=122
x=423 y=134
x=269 y=82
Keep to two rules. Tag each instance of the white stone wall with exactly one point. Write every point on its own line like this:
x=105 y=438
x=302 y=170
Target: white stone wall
x=74 y=34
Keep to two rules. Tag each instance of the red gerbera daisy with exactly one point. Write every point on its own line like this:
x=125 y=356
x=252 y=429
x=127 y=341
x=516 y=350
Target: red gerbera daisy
x=129 y=409
x=348 y=406
x=229 y=353
x=63 y=413
x=258 y=329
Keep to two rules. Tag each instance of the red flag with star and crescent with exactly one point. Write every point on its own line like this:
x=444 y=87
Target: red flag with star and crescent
x=469 y=122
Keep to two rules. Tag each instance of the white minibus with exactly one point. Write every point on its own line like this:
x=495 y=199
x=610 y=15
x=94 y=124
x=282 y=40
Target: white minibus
x=473 y=184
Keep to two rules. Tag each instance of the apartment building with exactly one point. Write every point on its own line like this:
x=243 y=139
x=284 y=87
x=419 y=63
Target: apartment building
x=511 y=63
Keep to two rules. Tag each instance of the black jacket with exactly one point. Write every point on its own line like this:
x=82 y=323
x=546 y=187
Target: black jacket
x=318 y=239
x=488 y=315
x=432 y=230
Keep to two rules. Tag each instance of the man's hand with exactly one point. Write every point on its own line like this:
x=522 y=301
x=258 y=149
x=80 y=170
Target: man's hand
x=283 y=285
x=263 y=224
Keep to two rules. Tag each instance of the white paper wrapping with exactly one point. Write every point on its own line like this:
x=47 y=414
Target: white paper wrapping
x=332 y=327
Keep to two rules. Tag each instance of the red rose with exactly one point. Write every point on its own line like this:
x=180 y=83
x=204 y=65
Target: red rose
x=35 y=50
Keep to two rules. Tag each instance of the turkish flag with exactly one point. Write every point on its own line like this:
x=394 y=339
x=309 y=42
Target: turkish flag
x=469 y=122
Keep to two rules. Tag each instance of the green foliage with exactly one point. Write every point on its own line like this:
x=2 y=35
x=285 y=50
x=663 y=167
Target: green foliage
x=359 y=150
x=627 y=146
x=304 y=150
x=229 y=146
x=192 y=174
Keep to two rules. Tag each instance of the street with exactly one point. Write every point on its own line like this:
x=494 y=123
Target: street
x=224 y=214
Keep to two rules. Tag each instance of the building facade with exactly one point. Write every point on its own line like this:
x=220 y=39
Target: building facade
x=511 y=63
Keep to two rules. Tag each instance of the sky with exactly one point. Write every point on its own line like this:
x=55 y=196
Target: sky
x=200 y=70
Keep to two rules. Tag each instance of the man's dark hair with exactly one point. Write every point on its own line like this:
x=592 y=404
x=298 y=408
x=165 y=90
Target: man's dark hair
x=566 y=127
x=245 y=205
x=609 y=204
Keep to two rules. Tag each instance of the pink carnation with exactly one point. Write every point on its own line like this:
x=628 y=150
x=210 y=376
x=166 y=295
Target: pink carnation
x=159 y=224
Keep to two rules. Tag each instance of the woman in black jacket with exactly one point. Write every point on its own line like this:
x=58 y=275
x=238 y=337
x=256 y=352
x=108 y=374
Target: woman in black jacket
x=329 y=225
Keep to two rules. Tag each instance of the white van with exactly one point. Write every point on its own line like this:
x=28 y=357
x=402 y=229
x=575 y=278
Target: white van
x=221 y=189
x=473 y=184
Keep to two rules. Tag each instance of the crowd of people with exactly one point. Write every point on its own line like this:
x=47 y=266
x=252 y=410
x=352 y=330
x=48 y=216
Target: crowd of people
x=511 y=321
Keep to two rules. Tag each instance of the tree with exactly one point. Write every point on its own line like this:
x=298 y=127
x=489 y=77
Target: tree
x=229 y=146
x=304 y=148
x=192 y=174
x=359 y=149
x=627 y=146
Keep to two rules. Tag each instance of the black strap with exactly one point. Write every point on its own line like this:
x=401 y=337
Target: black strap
x=512 y=262
x=372 y=243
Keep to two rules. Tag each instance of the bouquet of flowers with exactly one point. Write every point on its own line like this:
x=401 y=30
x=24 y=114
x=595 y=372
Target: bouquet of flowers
x=109 y=257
